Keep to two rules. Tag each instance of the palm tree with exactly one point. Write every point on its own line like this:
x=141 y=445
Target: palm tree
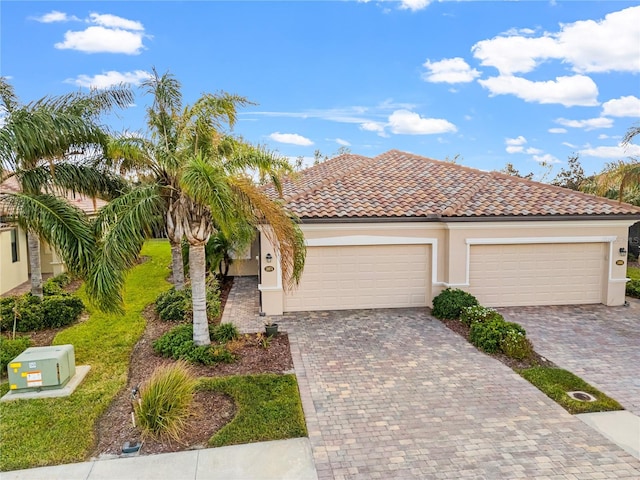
x=619 y=179
x=50 y=147
x=202 y=178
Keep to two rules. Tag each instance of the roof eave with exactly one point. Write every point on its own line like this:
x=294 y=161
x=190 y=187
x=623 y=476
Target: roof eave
x=482 y=218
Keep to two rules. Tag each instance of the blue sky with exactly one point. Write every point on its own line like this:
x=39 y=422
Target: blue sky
x=491 y=82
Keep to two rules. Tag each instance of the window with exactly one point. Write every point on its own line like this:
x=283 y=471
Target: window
x=15 y=253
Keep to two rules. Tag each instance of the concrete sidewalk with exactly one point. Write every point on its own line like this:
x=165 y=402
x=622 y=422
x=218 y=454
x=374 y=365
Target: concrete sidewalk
x=281 y=459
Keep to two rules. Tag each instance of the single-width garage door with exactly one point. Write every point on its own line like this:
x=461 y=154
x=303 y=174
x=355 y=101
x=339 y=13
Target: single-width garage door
x=368 y=276
x=537 y=274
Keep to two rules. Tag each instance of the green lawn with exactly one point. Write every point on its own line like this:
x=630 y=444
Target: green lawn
x=269 y=408
x=556 y=382
x=54 y=431
x=633 y=272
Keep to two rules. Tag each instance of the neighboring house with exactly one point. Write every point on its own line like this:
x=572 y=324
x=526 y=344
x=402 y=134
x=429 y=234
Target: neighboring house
x=395 y=230
x=14 y=254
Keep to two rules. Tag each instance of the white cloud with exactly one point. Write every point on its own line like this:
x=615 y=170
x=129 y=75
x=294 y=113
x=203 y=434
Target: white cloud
x=547 y=158
x=291 y=138
x=557 y=130
x=622 y=107
x=533 y=151
x=570 y=145
x=606 y=45
x=588 y=124
x=414 y=5
x=449 y=70
x=410 y=123
x=109 y=79
x=373 y=127
x=107 y=34
x=567 y=91
x=515 y=145
x=55 y=16
x=611 y=152
x=342 y=142
x=113 y=21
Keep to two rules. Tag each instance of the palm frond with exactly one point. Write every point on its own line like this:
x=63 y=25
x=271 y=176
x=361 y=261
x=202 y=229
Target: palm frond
x=121 y=228
x=65 y=227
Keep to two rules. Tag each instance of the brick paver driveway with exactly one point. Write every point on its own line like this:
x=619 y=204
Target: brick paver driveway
x=395 y=394
x=599 y=344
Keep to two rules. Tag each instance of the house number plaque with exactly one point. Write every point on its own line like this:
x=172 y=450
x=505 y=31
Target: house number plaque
x=619 y=262
x=268 y=268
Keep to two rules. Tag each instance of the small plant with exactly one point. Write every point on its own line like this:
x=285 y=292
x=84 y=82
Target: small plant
x=10 y=349
x=51 y=287
x=516 y=345
x=164 y=402
x=174 y=305
x=224 y=332
x=478 y=313
x=487 y=336
x=633 y=288
x=450 y=302
x=178 y=344
x=263 y=340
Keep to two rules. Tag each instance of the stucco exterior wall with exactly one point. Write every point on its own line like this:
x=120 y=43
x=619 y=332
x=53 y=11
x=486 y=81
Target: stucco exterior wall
x=451 y=246
x=12 y=273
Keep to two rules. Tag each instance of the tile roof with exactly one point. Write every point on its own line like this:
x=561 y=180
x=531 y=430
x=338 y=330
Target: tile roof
x=399 y=185
x=89 y=205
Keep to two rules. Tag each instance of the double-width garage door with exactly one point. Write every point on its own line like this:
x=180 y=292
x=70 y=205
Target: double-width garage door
x=537 y=274
x=364 y=276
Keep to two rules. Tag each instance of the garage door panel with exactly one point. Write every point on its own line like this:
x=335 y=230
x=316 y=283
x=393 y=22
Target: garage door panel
x=537 y=274
x=371 y=276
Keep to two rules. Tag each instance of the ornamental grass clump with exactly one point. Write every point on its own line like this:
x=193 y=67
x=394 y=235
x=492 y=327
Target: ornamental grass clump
x=165 y=402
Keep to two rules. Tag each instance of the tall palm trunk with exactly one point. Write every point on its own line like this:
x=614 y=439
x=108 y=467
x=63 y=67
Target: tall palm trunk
x=197 y=268
x=177 y=265
x=33 y=241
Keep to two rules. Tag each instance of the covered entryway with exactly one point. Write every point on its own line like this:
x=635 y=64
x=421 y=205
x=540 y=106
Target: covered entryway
x=363 y=276
x=537 y=274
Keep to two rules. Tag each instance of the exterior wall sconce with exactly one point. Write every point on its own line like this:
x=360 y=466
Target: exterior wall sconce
x=269 y=258
x=623 y=252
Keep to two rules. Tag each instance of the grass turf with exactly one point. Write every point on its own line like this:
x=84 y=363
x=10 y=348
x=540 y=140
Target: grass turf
x=633 y=272
x=556 y=382
x=54 y=431
x=269 y=408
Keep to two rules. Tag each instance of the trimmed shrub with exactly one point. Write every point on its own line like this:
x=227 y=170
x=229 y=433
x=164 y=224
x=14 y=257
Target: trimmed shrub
x=450 y=302
x=61 y=310
x=487 y=336
x=51 y=287
x=29 y=313
x=175 y=305
x=478 y=313
x=178 y=344
x=633 y=288
x=516 y=345
x=165 y=401
x=7 y=312
x=10 y=349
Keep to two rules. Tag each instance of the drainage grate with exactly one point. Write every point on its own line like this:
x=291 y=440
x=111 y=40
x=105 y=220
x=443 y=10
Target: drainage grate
x=582 y=396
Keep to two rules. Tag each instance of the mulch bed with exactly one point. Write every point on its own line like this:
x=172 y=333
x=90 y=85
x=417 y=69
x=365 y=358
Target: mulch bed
x=534 y=361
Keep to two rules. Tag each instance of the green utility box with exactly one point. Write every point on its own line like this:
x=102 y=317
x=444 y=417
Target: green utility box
x=42 y=368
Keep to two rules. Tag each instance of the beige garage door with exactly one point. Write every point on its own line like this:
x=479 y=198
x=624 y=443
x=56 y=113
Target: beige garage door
x=537 y=274
x=371 y=276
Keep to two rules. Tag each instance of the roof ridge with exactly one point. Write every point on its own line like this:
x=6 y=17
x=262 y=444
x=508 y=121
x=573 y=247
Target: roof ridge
x=564 y=190
x=452 y=209
x=333 y=177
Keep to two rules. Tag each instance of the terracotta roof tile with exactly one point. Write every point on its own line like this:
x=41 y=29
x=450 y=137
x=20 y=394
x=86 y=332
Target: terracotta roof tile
x=399 y=184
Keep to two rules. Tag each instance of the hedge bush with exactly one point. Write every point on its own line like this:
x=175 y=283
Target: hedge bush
x=175 y=305
x=488 y=336
x=633 y=288
x=10 y=349
x=516 y=345
x=478 y=313
x=178 y=344
x=32 y=313
x=450 y=302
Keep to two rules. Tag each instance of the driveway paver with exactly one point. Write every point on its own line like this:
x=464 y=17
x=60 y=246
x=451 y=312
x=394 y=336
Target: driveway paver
x=600 y=344
x=395 y=394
